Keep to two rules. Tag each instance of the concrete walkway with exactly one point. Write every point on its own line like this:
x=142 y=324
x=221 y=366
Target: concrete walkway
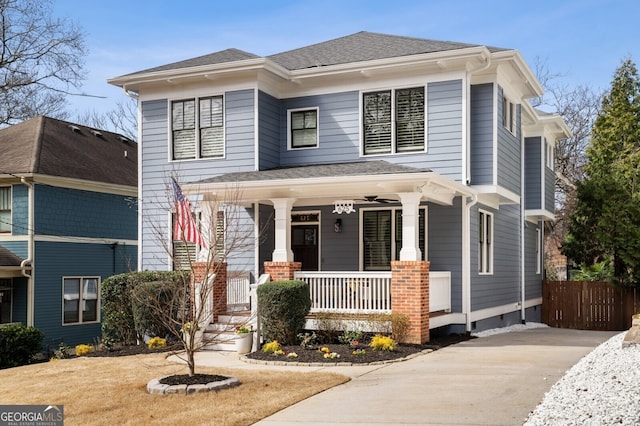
x=495 y=380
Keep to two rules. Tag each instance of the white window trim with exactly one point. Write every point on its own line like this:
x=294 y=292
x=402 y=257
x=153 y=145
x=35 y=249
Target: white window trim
x=550 y=154
x=197 y=129
x=98 y=300
x=10 y=224
x=509 y=114
x=393 y=231
x=290 y=146
x=393 y=119
x=538 y=252
x=484 y=268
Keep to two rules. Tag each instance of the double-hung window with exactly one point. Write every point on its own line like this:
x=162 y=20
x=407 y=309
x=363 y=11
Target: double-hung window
x=197 y=127
x=485 y=242
x=382 y=237
x=303 y=125
x=393 y=121
x=185 y=252
x=80 y=300
x=5 y=209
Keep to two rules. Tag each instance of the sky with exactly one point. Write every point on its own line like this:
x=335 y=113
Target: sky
x=582 y=41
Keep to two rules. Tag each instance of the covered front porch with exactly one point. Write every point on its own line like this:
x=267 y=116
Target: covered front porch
x=360 y=234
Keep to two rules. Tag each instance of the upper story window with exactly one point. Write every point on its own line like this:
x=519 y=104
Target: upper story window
x=303 y=128
x=382 y=134
x=485 y=242
x=80 y=302
x=5 y=209
x=203 y=114
x=550 y=156
x=508 y=115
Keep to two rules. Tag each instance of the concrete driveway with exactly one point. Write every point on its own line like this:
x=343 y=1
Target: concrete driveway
x=495 y=380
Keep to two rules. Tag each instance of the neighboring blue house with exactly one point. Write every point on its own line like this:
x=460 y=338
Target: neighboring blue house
x=372 y=153
x=68 y=220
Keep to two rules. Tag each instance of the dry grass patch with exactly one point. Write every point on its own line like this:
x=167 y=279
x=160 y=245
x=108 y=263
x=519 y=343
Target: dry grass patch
x=107 y=391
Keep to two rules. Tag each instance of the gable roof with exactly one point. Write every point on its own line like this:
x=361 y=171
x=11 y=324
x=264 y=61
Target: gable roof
x=363 y=46
x=358 y=47
x=52 y=147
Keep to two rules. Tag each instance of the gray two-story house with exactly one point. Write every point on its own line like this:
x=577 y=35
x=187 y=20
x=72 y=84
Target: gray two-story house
x=393 y=174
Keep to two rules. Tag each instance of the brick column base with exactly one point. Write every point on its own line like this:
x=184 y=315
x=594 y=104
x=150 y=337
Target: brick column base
x=218 y=292
x=410 y=296
x=281 y=271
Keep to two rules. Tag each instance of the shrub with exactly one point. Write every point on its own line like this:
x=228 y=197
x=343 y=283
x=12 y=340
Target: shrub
x=157 y=343
x=271 y=347
x=118 y=324
x=349 y=337
x=147 y=297
x=329 y=326
x=283 y=307
x=308 y=340
x=383 y=343
x=394 y=324
x=19 y=344
x=83 y=349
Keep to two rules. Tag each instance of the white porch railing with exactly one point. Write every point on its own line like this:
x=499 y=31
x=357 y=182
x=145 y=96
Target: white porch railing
x=367 y=292
x=348 y=292
x=238 y=287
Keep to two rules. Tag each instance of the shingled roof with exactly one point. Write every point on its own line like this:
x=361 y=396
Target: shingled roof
x=358 y=47
x=7 y=258
x=52 y=147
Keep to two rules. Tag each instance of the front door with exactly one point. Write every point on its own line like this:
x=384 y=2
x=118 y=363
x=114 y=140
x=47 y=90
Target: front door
x=304 y=244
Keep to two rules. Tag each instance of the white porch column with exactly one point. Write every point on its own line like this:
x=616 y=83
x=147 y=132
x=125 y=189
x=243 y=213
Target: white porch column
x=282 y=251
x=410 y=228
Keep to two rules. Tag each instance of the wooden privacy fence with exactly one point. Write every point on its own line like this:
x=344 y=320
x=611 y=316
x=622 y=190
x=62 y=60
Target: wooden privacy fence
x=588 y=305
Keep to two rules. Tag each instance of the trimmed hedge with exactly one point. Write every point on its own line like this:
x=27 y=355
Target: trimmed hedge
x=118 y=324
x=148 y=298
x=19 y=344
x=283 y=307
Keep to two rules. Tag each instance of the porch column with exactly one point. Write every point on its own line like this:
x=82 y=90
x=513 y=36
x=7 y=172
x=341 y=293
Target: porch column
x=410 y=296
x=216 y=291
x=282 y=251
x=410 y=229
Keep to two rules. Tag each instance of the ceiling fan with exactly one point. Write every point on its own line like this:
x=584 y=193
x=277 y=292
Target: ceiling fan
x=375 y=199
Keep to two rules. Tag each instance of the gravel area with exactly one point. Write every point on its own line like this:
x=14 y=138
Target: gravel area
x=603 y=388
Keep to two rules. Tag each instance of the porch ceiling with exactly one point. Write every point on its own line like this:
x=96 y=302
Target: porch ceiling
x=323 y=184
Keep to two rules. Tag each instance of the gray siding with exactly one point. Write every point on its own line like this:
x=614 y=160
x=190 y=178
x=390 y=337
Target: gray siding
x=268 y=131
x=20 y=210
x=549 y=189
x=156 y=167
x=532 y=167
x=445 y=246
x=338 y=130
x=509 y=151
x=503 y=286
x=482 y=134
x=533 y=281
x=267 y=235
x=240 y=238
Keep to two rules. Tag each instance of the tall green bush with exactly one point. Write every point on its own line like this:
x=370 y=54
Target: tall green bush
x=19 y=344
x=118 y=324
x=283 y=307
x=149 y=297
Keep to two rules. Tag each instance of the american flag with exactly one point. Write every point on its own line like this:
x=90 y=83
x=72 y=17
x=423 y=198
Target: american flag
x=185 y=227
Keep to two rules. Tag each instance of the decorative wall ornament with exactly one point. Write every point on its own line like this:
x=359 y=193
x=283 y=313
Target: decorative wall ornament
x=343 y=206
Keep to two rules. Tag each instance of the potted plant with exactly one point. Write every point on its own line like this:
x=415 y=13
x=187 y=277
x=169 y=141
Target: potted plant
x=244 y=338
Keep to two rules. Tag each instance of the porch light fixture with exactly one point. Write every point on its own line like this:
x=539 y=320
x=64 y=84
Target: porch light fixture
x=337 y=227
x=343 y=206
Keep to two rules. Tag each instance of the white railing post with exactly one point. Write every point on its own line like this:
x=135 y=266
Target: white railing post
x=255 y=312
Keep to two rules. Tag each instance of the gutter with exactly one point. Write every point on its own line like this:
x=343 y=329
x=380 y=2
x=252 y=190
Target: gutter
x=29 y=259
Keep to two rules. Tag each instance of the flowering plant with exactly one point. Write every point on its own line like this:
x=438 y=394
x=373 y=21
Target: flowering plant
x=278 y=352
x=331 y=355
x=83 y=349
x=157 y=343
x=271 y=347
x=292 y=355
x=244 y=329
x=188 y=326
x=359 y=352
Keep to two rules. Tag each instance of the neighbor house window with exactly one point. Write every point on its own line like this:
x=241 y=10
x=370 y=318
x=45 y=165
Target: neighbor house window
x=538 y=251
x=80 y=302
x=6 y=294
x=5 y=209
x=382 y=134
x=508 y=114
x=303 y=125
x=485 y=242
x=203 y=114
x=382 y=237
x=550 y=155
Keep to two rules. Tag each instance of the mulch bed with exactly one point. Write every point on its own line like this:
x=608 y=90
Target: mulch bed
x=130 y=350
x=196 y=379
x=347 y=355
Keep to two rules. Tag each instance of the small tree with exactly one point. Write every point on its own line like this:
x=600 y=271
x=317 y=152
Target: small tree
x=186 y=310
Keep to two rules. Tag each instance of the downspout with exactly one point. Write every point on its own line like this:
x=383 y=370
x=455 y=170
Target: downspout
x=29 y=259
x=466 y=257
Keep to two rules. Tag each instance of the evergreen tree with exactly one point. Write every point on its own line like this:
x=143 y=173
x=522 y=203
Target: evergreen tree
x=605 y=224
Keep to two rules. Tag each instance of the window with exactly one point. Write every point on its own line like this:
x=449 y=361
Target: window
x=205 y=114
x=6 y=293
x=538 y=254
x=550 y=156
x=183 y=251
x=80 y=302
x=508 y=115
x=5 y=209
x=485 y=242
x=407 y=106
x=379 y=248
x=303 y=125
